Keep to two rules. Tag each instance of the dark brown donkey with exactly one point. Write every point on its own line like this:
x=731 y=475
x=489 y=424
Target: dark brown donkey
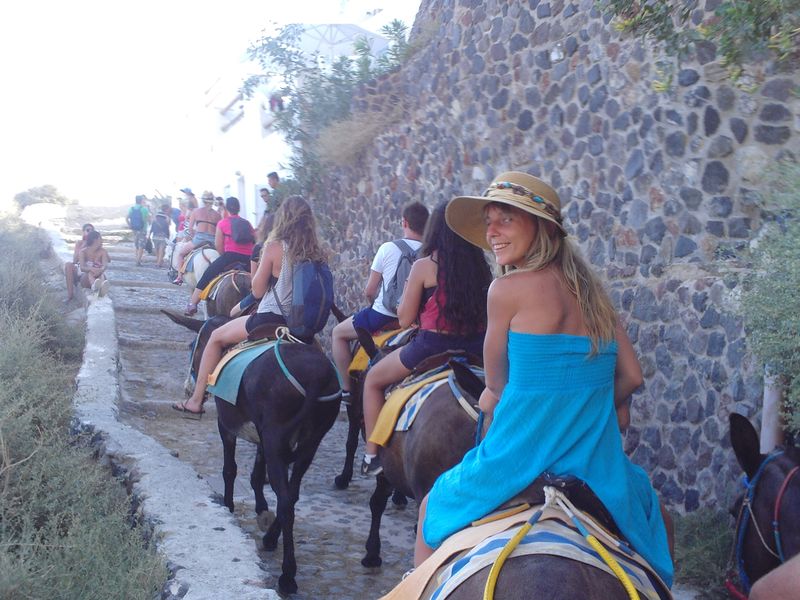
x=412 y=460
x=289 y=426
x=230 y=291
x=770 y=534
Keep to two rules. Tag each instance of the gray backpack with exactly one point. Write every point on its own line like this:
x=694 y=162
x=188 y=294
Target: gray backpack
x=393 y=289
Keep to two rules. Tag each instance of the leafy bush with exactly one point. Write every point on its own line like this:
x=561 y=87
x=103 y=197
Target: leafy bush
x=741 y=29
x=770 y=299
x=702 y=545
x=65 y=527
x=21 y=290
x=43 y=193
x=316 y=95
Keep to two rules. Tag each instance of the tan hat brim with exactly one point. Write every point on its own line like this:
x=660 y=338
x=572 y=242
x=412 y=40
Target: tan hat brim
x=465 y=215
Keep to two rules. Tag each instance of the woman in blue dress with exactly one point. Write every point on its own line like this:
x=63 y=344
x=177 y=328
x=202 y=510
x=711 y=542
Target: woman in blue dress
x=559 y=371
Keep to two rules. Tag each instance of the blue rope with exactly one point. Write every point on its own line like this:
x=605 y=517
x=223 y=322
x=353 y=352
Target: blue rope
x=479 y=428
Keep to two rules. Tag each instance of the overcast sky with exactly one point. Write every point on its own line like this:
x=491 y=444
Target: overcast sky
x=102 y=99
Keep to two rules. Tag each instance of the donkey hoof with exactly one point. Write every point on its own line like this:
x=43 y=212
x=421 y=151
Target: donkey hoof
x=341 y=482
x=399 y=500
x=371 y=562
x=287 y=585
x=270 y=542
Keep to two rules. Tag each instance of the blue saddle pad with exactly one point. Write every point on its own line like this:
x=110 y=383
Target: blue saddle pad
x=230 y=377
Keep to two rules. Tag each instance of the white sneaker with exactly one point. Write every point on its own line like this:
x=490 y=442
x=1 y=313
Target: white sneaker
x=103 y=288
x=96 y=285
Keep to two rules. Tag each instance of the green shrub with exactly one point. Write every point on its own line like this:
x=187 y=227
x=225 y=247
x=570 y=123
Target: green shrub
x=65 y=527
x=43 y=193
x=21 y=287
x=741 y=29
x=702 y=546
x=770 y=300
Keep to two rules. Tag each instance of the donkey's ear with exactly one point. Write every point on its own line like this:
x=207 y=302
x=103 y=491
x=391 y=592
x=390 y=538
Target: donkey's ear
x=744 y=440
x=366 y=341
x=193 y=324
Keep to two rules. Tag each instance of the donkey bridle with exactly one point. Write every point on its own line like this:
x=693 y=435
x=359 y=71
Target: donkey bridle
x=744 y=517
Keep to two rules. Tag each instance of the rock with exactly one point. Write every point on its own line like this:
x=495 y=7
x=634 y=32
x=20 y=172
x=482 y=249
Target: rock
x=775 y=113
x=721 y=147
x=711 y=121
x=593 y=75
x=525 y=121
x=778 y=89
x=684 y=247
x=687 y=77
x=752 y=163
x=726 y=98
x=767 y=134
x=691 y=197
x=715 y=177
x=676 y=144
x=635 y=164
x=721 y=206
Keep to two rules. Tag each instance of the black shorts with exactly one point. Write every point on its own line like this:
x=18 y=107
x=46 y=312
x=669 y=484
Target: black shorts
x=258 y=319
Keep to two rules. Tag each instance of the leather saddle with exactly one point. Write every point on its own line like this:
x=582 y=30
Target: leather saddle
x=437 y=360
x=578 y=492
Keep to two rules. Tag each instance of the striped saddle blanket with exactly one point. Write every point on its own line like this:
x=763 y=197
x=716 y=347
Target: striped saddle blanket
x=552 y=537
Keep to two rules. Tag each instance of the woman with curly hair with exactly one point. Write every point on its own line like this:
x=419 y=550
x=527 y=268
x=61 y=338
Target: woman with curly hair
x=445 y=292
x=293 y=239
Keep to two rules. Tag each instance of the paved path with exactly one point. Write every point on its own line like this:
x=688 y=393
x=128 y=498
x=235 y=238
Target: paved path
x=331 y=525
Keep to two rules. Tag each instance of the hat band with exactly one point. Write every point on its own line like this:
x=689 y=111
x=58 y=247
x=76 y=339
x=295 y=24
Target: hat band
x=540 y=203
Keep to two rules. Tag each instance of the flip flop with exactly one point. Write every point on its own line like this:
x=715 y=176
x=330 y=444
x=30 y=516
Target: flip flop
x=188 y=413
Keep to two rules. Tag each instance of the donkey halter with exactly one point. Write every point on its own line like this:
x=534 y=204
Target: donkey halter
x=746 y=515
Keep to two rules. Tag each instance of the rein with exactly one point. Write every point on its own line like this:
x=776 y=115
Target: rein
x=743 y=519
x=283 y=334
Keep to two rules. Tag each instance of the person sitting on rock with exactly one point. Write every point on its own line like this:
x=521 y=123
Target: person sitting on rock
x=93 y=260
x=71 y=273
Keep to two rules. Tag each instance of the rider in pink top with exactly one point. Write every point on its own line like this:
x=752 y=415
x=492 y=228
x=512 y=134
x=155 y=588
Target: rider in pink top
x=229 y=245
x=234 y=240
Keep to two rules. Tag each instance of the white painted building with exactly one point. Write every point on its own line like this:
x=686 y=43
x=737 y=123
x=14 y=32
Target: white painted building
x=243 y=145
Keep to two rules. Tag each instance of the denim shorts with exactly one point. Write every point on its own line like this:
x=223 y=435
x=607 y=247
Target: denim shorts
x=371 y=319
x=202 y=237
x=428 y=343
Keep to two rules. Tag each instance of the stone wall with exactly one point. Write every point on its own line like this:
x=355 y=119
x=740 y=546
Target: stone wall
x=661 y=191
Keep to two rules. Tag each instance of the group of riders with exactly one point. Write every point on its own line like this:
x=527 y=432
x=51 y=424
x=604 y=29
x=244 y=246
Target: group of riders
x=559 y=366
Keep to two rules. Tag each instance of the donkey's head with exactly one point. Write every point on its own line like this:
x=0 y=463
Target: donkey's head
x=767 y=529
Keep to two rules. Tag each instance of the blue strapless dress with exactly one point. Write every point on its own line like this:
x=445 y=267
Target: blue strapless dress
x=557 y=415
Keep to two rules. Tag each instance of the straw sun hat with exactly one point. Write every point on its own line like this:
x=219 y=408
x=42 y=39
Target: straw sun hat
x=465 y=215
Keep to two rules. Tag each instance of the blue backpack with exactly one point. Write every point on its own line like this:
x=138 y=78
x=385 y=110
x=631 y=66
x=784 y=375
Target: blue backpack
x=312 y=298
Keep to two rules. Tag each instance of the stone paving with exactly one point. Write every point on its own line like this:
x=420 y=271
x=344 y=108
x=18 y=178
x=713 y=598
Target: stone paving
x=331 y=525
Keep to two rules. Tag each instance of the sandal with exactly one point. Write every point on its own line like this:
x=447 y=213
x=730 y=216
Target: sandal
x=187 y=412
x=191 y=310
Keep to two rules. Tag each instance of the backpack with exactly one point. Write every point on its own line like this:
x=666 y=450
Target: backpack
x=137 y=221
x=161 y=225
x=393 y=290
x=242 y=231
x=312 y=298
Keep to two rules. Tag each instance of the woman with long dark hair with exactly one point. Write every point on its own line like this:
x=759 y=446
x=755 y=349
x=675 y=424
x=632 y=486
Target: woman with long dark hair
x=446 y=293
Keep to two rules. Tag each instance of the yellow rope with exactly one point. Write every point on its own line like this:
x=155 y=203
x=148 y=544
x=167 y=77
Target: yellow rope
x=555 y=497
x=614 y=566
x=494 y=572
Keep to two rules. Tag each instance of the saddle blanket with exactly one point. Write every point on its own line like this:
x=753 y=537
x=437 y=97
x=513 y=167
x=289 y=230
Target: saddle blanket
x=452 y=556
x=360 y=361
x=227 y=376
x=404 y=401
x=397 y=399
x=550 y=537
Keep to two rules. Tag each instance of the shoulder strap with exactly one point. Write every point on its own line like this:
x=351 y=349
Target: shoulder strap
x=275 y=294
x=404 y=247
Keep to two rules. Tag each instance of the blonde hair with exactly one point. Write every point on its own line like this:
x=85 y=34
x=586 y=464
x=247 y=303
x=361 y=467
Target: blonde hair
x=551 y=247
x=296 y=226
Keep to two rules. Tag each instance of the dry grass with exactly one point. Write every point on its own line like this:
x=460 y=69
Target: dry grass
x=342 y=143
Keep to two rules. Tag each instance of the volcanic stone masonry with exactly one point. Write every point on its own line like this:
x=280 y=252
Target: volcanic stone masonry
x=662 y=191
